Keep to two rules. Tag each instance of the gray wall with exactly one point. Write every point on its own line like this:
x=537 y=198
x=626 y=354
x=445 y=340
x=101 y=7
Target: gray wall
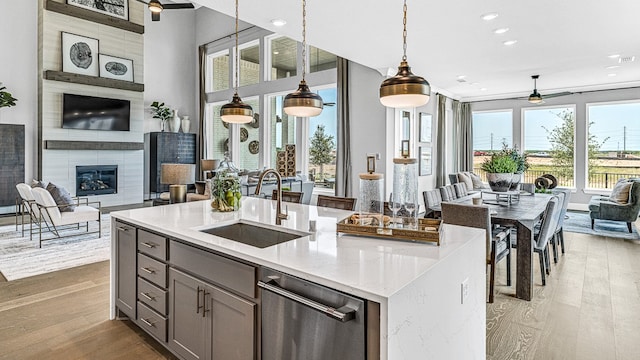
x=580 y=100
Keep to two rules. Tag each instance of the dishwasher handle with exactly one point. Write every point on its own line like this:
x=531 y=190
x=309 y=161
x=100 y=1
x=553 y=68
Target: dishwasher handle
x=342 y=314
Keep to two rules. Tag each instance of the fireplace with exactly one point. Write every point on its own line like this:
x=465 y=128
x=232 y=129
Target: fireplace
x=96 y=180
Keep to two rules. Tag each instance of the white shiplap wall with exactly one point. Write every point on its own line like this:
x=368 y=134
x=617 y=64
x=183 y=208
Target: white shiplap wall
x=58 y=166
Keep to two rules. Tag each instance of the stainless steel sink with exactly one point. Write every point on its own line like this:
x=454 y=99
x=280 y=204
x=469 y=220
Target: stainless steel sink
x=253 y=235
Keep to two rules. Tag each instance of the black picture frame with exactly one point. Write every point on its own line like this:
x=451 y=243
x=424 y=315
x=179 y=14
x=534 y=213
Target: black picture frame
x=115 y=8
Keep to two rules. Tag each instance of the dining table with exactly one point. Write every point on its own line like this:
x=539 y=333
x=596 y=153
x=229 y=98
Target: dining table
x=522 y=214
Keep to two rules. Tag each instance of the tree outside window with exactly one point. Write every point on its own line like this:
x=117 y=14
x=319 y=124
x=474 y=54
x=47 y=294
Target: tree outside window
x=321 y=152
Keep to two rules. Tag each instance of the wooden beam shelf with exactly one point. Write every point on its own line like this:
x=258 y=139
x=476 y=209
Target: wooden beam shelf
x=92 y=145
x=94 y=16
x=92 y=80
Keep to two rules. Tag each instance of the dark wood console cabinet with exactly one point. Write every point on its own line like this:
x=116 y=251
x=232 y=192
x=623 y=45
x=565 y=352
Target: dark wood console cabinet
x=168 y=147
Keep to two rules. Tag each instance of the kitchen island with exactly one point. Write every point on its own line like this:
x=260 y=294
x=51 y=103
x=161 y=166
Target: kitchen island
x=430 y=299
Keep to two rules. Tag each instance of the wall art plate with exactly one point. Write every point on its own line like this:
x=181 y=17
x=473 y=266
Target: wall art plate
x=254 y=147
x=79 y=54
x=117 y=8
x=244 y=134
x=113 y=67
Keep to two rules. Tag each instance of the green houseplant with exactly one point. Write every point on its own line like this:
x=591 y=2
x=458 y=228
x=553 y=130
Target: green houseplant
x=499 y=168
x=521 y=161
x=160 y=111
x=6 y=99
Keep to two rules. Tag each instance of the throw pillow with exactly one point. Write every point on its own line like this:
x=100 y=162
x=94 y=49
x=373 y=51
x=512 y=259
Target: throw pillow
x=620 y=192
x=62 y=197
x=38 y=183
x=465 y=178
x=477 y=182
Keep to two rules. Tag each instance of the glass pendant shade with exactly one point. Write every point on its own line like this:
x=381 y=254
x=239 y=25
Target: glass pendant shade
x=236 y=112
x=405 y=89
x=302 y=102
x=535 y=97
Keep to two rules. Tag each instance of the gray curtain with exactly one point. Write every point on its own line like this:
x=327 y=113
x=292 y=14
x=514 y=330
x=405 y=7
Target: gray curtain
x=343 y=160
x=441 y=176
x=462 y=137
x=202 y=54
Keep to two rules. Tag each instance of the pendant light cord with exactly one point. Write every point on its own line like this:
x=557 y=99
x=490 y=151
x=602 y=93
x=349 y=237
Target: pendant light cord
x=404 y=31
x=304 y=38
x=237 y=59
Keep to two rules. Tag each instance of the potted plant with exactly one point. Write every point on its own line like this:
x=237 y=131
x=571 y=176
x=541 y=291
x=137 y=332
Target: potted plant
x=6 y=99
x=161 y=112
x=521 y=161
x=499 y=168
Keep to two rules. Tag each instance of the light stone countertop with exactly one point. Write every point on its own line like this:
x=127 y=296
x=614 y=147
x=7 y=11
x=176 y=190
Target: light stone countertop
x=371 y=268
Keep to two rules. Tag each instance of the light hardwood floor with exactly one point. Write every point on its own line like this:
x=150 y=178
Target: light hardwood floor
x=590 y=309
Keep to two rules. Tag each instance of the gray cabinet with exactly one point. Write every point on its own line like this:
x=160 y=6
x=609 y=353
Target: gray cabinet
x=188 y=320
x=126 y=269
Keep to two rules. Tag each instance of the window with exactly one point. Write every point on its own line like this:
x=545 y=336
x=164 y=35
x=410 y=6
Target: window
x=549 y=136
x=320 y=60
x=250 y=139
x=491 y=129
x=216 y=132
x=283 y=128
x=323 y=135
x=249 y=63
x=283 y=58
x=613 y=143
x=218 y=71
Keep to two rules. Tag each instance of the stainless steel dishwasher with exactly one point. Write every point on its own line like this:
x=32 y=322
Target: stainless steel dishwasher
x=306 y=321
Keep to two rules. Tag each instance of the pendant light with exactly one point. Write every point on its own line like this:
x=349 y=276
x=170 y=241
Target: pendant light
x=303 y=102
x=236 y=112
x=535 y=97
x=404 y=89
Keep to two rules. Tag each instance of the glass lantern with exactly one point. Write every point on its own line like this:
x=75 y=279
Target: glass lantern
x=371 y=199
x=403 y=202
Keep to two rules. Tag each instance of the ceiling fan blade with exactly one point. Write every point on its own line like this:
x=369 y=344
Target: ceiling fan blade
x=564 y=93
x=144 y=2
x=178 y=6
x=155 y=16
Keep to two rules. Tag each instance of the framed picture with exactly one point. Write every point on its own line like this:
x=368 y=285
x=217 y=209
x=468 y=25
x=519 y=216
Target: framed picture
x=117 y=8
x=425 y=127
x=79 y=54
x=425 y=160
x=113 y=67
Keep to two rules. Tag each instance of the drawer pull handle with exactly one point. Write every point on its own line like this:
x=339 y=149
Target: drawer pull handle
x=147 y=322
x=198 y=307
x=148 y=271
x=150 y=246
x=122 y=228
x=148 y=297
x=204 y=303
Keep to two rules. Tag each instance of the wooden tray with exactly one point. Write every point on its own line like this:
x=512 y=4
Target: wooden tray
x=420 y=234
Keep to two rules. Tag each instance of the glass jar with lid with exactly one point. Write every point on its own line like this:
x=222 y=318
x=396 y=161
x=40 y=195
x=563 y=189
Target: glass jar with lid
x=225 y=187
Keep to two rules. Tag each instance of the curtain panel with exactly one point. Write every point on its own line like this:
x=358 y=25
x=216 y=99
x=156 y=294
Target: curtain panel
x=343 y=160
x=441 y=158
x=462 y=137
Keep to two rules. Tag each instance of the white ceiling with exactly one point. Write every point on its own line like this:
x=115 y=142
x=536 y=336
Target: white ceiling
x=566 y=42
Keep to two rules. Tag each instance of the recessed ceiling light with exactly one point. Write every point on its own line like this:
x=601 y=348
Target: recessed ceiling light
x=460 y=77
x=278 y=22
x=612 y=67
x=614 y=56
x=510 y=42
x=483 y=89
x=611 y=75
x=501 y=30
x=489 y=16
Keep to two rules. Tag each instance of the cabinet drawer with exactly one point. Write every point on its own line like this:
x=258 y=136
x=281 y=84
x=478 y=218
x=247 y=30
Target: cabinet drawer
x=152 y=296
x=214 y=268
x=152 y=270
x=153 y=323
x=152 y=244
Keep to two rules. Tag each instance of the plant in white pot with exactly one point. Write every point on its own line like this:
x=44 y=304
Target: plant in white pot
x=499 y=168
x=162 y=112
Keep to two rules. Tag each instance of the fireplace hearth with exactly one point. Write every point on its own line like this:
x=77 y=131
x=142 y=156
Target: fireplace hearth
x=96 y=180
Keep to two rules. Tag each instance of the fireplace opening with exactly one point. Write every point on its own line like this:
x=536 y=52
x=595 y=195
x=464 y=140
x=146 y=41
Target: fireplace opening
x=96 y=180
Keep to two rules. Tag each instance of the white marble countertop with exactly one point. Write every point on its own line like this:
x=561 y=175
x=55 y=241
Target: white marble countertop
x=371 y=268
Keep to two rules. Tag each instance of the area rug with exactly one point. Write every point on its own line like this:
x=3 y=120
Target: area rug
x=580 y=222
x=20 y=257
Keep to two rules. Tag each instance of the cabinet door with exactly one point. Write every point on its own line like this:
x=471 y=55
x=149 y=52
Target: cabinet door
x=126 y=269
x=187 y=316
x=232 y=327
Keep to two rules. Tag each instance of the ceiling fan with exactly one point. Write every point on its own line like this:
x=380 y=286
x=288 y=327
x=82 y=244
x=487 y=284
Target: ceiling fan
x=156 y=8
x=537 y=98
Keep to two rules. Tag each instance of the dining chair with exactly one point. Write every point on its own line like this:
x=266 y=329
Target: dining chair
x=498 y=239
x=432 y=198
x=547 y=232
x=448 y=193
x=558 y=238
x=336 y=202
x=288 y=196
x=460 y=189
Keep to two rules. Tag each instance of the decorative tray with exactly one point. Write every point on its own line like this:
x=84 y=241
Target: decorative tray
x=427 y=230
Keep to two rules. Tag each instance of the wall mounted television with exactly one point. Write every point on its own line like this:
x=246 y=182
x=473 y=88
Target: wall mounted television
x=95 y=113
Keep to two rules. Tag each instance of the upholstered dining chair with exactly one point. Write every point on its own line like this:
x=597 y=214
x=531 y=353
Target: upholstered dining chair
x=498 y=239
x=448 y=193
x=546 y=233
x=50 y=213
x=336 y=202
x=288 y=196
x=461 y=189
x=432 y=198
x=558 y=238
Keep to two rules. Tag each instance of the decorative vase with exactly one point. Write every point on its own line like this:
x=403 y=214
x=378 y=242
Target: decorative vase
x=515 y=182
x=174 y=122
x=185 y=124
x=499 y=181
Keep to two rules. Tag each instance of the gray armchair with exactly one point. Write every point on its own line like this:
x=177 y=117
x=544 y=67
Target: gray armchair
x=601 y=207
